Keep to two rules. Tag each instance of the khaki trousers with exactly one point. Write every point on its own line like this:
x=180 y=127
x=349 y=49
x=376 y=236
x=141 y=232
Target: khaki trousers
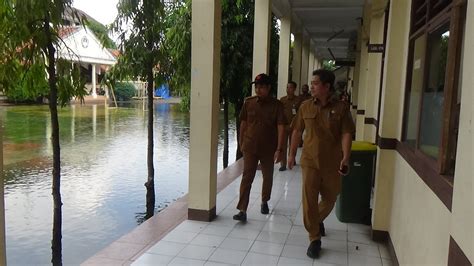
x=315 y=184
x=250 y=167
x=286 y=147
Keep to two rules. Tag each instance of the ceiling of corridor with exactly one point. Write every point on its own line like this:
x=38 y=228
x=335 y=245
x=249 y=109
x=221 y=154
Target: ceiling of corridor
x=331 y=24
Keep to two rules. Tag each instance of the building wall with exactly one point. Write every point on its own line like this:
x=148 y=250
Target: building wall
x=462 y=218
x=419 y=224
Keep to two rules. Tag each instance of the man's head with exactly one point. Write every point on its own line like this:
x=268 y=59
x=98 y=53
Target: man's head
x=322 y=83
x=291 y=88
x=262 y=85
x=305 y=89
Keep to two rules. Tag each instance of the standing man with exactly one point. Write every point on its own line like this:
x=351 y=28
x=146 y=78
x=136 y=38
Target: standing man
x=327 y=145
x=262 y=126
x=305 y=95
x=290 y=106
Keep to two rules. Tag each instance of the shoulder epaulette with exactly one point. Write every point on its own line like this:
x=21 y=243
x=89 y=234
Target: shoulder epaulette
x=251 y=97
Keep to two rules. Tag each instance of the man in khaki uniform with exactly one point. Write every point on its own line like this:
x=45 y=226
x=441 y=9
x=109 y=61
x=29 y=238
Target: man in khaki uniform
x=305 y=95
x=262 y=125
x=291 y=103
x=327 y=144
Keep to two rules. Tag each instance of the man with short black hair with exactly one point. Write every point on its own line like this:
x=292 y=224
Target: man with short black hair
x=291 y=103
x=262 y=125
x=305 y=95
x=328 y=127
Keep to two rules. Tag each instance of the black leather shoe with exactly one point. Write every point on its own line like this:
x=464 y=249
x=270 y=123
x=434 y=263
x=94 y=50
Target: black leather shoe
x=322 y=230
x=283 y=168
x=241 y=216
x=264 y=208
x=314 y=249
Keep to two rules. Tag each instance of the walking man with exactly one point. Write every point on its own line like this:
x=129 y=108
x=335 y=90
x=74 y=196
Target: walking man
x=291 y=103
x=262 y=125
x=327 y=144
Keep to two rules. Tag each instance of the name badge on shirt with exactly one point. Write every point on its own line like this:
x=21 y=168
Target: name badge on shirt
x=293 y=111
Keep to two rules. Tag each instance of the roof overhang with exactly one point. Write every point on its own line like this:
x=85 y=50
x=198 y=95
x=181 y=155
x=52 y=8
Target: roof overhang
x=331 y=25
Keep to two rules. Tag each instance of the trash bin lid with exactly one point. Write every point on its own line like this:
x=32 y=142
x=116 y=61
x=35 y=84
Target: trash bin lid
x=363 y=146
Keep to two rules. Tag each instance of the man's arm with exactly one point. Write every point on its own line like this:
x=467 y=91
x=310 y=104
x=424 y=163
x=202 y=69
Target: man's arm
x=295 y=141
x=281 y=136
x=346 y=143
x=243 y=128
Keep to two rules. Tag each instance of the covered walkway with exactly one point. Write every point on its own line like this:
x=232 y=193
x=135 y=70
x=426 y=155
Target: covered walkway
x=275 y=239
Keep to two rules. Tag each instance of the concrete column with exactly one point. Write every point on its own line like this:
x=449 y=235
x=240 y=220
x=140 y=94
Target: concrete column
x=310 y=68
x=261 y=37
x=205 y=78
x=355 y=87
x=3 y=252
x=363 y=71
x=94 y=121
x=296 y=63
x=304 y=61
x=94 y=81
x=73 y=123
x=390 y=124
x=316 y=63
x=374 y=68
x=284 y=55
x=462 y=218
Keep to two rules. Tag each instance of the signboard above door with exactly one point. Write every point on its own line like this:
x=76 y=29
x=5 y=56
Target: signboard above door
x=375 y=48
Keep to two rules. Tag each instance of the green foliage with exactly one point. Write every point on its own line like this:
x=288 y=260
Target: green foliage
x=25 y=87
x=178 y=47
x=329 y=65
x=101 y=32
x=23 y=46
x=140 y=26
x=124 y=91
x=236 y=49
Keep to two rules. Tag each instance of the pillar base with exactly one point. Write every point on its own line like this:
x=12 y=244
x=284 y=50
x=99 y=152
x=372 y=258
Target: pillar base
x=379 y=236
x=202 y=215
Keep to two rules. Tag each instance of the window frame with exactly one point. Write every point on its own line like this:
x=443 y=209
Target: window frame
x=433 y=170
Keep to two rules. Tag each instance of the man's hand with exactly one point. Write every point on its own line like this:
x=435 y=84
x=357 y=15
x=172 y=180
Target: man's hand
x=344 y=167
x=277 y=156
x=291 y=161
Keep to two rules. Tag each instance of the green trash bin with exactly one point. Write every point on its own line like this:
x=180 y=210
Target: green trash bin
x=353 y=203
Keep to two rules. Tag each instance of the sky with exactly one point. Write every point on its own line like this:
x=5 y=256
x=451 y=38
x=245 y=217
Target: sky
x=103 y=11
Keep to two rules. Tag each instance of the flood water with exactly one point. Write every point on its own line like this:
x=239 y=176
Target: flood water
x=103 y=160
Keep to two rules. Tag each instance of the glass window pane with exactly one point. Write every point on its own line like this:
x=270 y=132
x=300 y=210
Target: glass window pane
x=418 y=66
x=433 y=93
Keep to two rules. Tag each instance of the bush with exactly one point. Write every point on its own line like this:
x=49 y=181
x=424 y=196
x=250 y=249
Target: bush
x=124 y=91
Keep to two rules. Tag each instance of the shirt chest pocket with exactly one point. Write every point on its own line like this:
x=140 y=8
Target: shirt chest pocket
x=335 y=123
x=251 y=116
x=310 y=121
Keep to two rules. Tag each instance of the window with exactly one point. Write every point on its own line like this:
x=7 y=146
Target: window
x=431 y=114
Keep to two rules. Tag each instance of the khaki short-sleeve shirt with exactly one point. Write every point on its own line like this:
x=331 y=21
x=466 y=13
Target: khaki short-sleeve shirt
x=324 y=127
x=290 y=107
x=263 y=117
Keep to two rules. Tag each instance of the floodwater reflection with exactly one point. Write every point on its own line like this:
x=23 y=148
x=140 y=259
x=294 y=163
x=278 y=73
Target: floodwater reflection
x=103 y=153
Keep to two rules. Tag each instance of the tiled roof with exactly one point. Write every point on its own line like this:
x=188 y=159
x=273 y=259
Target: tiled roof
x=67 y=31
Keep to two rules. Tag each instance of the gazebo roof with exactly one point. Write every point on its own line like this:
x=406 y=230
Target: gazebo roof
x=81 y=45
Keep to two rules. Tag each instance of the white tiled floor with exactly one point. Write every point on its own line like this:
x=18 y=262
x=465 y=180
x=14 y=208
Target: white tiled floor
x=275 y=239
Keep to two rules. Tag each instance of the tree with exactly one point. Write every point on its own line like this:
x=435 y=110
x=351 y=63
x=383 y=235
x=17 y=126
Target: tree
x=329 y=65
x=178 y=46
x=140 y=25
x=236 y=56
x=28 y=48
x=101 y=32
